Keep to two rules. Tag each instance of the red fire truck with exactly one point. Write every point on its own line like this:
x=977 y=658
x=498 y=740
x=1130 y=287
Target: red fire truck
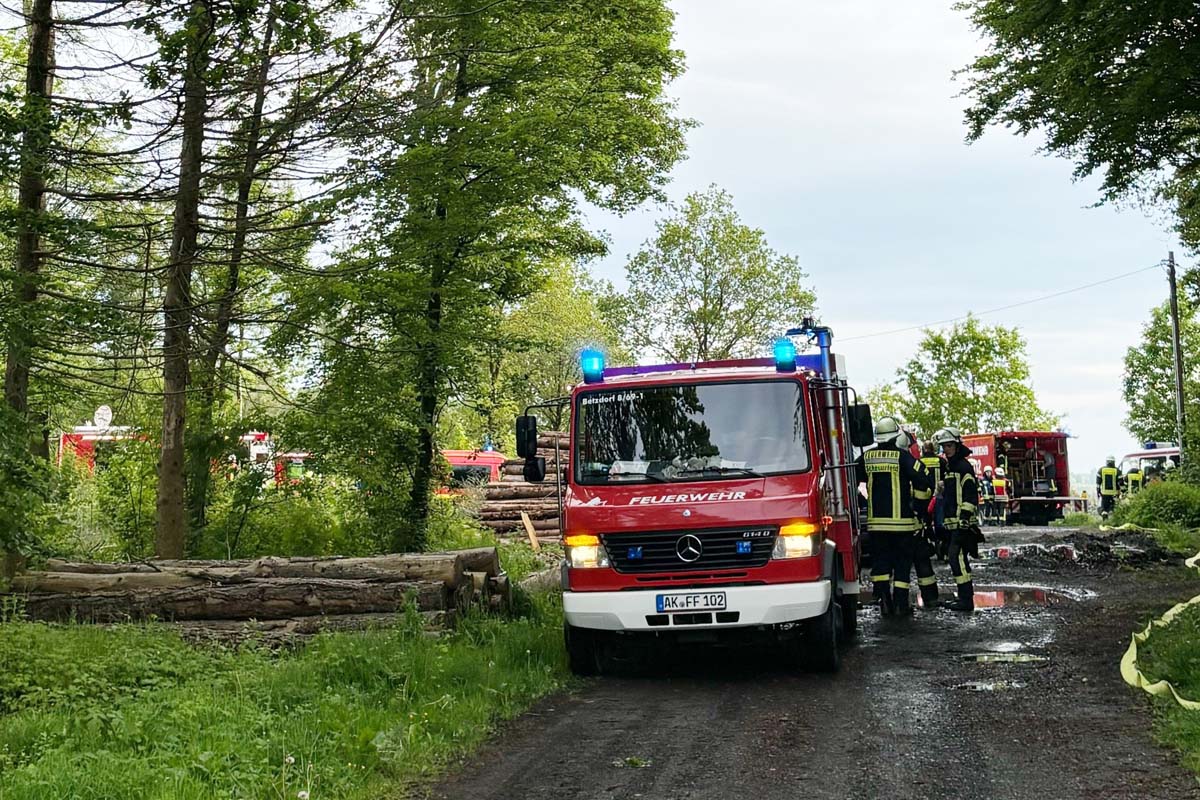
x=709 y=503
x=1035 y=466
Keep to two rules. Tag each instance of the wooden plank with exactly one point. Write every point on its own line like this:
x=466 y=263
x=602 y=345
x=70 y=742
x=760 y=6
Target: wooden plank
x=533 y=539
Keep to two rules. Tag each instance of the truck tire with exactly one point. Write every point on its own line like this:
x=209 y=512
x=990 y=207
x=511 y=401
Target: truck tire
x=583 y=651
x=820 y=638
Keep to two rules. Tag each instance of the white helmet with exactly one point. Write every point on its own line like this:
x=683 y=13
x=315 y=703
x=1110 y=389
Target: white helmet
x=887 y=430
x=999 y=472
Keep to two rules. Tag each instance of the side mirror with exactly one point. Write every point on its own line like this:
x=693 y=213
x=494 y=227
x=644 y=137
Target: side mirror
x=527 y=434
x=862 y=429
x=534 y=470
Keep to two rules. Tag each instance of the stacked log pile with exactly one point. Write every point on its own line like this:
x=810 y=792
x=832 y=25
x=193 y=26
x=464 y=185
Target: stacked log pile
x=505 y=500
x=271 y=598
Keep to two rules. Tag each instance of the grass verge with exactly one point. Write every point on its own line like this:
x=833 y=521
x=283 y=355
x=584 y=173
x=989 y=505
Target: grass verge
x=1173 y=653
x=133 y=712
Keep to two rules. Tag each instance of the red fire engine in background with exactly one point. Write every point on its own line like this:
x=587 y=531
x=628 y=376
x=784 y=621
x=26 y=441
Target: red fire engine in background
x=472 y=468
x=1035 y=466
x=711 y=502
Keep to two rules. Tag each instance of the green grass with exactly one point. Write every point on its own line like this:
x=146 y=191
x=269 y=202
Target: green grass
x=1077 y=519
x=1173 y=652
x=133 y=712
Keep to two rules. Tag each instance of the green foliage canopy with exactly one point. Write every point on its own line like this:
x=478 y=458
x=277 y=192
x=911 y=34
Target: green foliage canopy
x=709 y=286
x=1111 y=84
x=974 y=377
x=1149 y=380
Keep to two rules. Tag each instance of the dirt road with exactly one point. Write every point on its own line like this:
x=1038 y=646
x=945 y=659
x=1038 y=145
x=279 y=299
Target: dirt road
x=912 y=714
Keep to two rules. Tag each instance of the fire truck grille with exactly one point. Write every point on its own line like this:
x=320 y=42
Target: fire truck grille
x=689 y=551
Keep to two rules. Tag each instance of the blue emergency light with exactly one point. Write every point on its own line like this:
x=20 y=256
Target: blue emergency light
x=591 y=361
x=635 y=552
x=785 y=355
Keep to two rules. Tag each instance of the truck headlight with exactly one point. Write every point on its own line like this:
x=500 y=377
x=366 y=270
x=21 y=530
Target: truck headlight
x=797 y=540
x=584 y=551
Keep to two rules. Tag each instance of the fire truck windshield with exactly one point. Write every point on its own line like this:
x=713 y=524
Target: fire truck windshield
x=690 y=432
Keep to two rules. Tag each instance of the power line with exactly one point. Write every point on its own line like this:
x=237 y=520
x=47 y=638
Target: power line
x=1040 y=299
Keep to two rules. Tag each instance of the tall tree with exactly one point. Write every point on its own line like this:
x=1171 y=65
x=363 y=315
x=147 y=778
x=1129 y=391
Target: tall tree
x=710 y=287
x=171 y=523
x=502 y=117
x=1111 y=84
x=974 y=377
x=1149 y=380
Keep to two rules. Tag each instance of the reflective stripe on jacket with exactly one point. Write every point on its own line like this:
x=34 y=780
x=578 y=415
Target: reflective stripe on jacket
x=892 y=476
x=1135 y=479
x=960 y=492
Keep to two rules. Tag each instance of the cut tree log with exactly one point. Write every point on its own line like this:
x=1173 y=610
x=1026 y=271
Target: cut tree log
x=506 y=525
x=273 y=598
x=444 y=567
x=481 y=559
x=543 y=580
x=501 y=491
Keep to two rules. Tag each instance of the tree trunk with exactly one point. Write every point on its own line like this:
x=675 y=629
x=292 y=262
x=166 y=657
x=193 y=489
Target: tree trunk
x=171 y=532
x=429 y=378
x=205 y=449
x=274 y=598
x=36 y=124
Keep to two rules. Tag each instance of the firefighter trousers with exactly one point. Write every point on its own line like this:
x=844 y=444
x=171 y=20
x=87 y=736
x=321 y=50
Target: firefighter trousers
x=960 y=565
x=891 y=562
x=923 y=565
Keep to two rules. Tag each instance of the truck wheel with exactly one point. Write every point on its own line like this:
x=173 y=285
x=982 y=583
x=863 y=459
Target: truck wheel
x=583 y=652
x=820 y=639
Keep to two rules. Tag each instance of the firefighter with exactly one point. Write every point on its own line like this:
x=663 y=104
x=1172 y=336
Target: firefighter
x=1134 y=480
x=891 y=474
x=1000 y=489
x=926 y=542
x=1107 y=481
x=961 y=493
x=987 y=493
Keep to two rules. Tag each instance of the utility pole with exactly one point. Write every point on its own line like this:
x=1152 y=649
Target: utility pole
x=1177 y=346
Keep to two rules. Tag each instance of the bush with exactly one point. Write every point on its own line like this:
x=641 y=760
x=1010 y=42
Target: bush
x=1173 y=652
x=1163 y=504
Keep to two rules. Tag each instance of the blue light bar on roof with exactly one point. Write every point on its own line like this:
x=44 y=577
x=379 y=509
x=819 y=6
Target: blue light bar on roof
x=591 y=361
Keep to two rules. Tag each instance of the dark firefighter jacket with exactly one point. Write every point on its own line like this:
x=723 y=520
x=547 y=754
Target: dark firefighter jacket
x=960 y=492
x=933 y=468
x=892 y=475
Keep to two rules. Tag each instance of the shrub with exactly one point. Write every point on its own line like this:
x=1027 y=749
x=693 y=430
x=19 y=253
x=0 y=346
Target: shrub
x=1168 y=503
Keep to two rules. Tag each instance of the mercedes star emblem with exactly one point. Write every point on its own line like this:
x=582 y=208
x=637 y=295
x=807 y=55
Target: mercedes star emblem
x=689 y=548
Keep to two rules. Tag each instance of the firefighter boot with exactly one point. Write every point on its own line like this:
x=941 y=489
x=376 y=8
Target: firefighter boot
x=883 y=599
x=966 y=598
x=901 y=604
x=929 y=596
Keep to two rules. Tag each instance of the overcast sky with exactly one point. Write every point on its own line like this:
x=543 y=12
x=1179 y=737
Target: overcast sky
x=837 y=129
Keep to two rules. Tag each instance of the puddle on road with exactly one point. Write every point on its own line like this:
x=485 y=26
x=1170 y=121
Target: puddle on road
x=989 y=686
x=1004 y=658
x=1006 y=647
x=1026 y=596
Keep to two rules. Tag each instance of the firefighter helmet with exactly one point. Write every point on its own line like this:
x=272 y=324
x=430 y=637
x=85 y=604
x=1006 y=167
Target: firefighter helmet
x=887 y=430
x=946 y=436
x=987 y=470
x=999 y=472
x=1111 y=461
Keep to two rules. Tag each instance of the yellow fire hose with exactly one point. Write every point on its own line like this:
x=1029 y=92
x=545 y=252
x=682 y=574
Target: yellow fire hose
x=1129 y=668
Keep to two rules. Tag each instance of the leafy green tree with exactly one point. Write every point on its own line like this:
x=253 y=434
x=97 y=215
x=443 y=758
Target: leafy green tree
x=974 y=377
x=709 y=286
x=1111 y=84
x=500 y=118
x=1149 y=381
x=885 y=400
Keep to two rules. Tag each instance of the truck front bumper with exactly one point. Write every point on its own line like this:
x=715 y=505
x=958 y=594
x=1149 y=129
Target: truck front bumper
x=754 y=605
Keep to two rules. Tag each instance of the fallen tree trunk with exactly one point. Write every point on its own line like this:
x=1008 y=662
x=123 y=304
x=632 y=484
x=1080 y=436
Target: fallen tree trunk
x=444 y=567
x=274 y=598
x=520 y=491
x=481 y=559
x=544 y=580
x=279 y=631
